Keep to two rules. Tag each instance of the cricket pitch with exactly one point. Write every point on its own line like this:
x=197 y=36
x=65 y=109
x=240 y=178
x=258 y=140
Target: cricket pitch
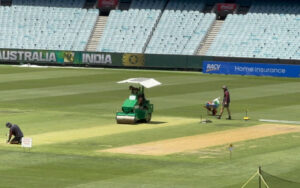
x=190 y=143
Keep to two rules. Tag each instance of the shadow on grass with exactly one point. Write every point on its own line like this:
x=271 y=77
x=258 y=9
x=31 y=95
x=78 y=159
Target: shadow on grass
x=143 y=123
x=156 y=122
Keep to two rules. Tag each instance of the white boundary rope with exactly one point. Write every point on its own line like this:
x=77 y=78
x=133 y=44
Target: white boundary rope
x=263 y=180
x=256 y=173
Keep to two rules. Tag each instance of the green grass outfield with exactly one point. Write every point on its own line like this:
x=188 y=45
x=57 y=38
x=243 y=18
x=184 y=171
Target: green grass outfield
x=70 y=113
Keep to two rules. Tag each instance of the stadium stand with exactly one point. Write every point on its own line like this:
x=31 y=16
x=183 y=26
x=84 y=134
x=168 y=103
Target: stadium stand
x=272 y=34
x=30 y=24
x=275 y=7
x=181 y=28
x=129 y=31
x=269 y=29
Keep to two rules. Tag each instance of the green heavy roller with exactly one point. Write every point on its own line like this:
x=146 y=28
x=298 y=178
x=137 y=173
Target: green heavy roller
x=137 y=108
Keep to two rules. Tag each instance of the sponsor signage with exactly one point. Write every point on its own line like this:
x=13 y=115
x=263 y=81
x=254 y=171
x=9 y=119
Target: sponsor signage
x=63 y=57
x=230 y=7
x=133 y=60
x=107 y=4
x=11 y=55
x=148 y=61
x=37 y=56
x=26 y=142
x=96 y=58
x=256 y=69
x=99 y=59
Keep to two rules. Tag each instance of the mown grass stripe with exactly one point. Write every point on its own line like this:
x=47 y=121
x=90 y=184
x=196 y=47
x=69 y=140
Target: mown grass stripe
x=246 y=93
x=53 y=82
x=84 y=133
x=65 y=90
x=43 y=75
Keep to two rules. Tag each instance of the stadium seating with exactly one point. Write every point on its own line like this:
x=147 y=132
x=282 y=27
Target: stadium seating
x=181 y=28
x=50 y=3
x=260 y=35
x=275 y=7
x=269 y=30
x=48 y=28
x=129 y=31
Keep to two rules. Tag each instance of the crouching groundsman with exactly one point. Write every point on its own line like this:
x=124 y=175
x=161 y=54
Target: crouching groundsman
x=212 y=106
x=14 y=130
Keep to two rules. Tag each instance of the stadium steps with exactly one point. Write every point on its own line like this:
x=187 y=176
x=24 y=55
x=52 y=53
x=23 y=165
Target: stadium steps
x=215 y=28
x=154 y=27
x=97 y=33
x=152 y=32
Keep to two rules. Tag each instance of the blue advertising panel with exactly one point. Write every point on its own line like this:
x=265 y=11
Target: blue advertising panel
x=256 y=69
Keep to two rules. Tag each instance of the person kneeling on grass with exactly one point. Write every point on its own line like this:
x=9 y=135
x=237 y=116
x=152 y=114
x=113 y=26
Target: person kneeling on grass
x=16 y=131
x=212 y=106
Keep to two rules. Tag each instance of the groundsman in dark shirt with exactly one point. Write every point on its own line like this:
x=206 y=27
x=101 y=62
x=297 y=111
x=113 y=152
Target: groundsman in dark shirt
x=226 y=102
x=14 y=130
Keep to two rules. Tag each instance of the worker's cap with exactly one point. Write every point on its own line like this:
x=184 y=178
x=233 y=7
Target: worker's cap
x=8 y=124
x=224 y=87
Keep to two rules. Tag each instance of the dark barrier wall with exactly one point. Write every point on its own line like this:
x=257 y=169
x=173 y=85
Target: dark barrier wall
x=60 y=57
x=101 y=59
x=75 y=58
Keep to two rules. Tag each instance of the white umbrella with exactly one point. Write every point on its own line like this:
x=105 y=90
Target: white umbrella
x=146 y=82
